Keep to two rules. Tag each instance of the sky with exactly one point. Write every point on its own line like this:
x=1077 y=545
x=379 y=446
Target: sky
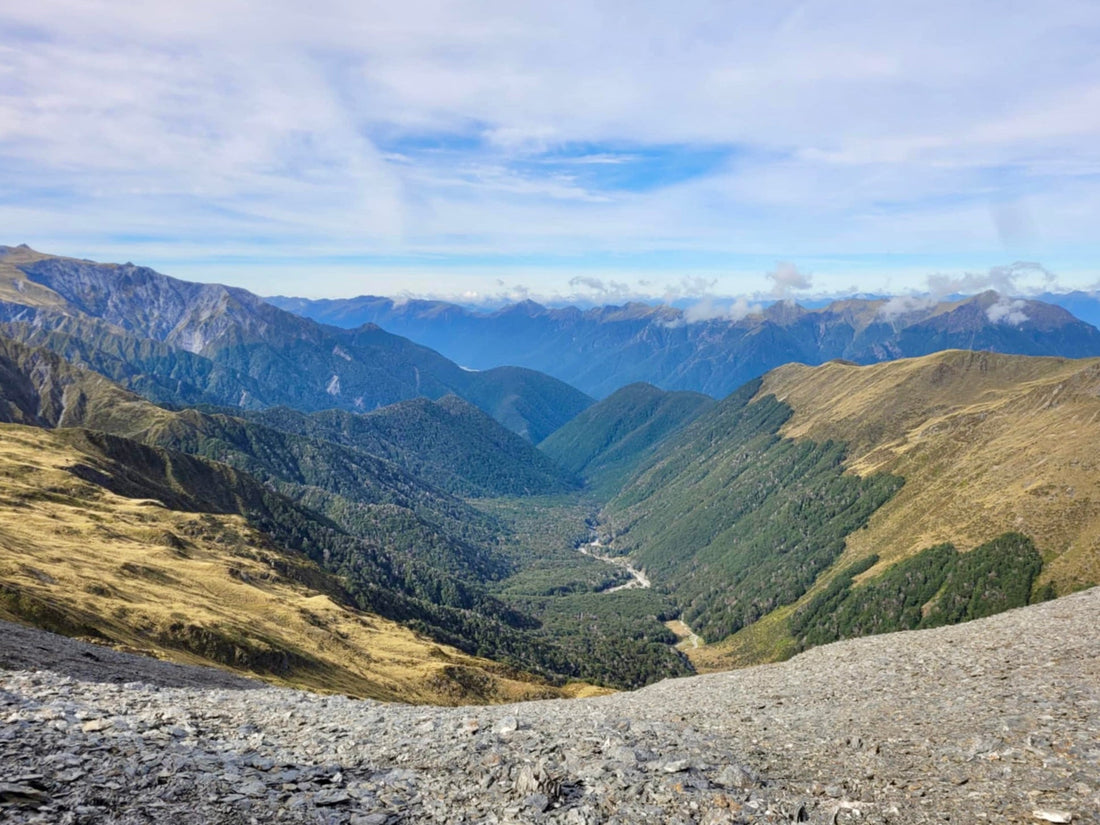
x=606 y=150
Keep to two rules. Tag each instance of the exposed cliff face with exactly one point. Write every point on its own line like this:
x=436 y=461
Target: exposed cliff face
x=188 y=343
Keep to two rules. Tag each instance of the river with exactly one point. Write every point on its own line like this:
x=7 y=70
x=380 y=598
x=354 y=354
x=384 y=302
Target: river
x=639 y=578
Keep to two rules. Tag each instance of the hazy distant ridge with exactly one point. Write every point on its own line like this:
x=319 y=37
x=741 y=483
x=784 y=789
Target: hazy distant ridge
x=602 y=349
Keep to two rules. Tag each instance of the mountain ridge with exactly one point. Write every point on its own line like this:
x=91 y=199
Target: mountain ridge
x=229 y=347
x=604 y=348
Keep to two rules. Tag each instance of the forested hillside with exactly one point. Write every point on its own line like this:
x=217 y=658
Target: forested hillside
x=606 y=442
x=188 y=343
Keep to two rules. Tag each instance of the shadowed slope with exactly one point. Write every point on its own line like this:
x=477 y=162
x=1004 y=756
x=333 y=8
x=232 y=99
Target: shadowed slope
x=79 y=553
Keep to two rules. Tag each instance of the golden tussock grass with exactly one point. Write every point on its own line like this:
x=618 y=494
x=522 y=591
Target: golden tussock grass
x=205 y=589
x=986 y=443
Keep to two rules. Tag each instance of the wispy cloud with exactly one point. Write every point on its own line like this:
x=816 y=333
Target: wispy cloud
x=1009 y=279
x=787 y=278
x=1007 y=311
x=710 y=309
x=250 y=131
x=901 y=305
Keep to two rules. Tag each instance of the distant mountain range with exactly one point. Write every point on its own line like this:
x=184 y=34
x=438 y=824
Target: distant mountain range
x=185 y=343
x=602 y=349
x=166 y=448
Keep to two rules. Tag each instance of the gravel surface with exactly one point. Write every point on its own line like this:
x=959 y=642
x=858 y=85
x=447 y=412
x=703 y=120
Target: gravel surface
x=997 y=720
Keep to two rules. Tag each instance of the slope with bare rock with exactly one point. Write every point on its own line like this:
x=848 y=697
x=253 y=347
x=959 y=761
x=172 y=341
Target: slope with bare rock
x=189 y=343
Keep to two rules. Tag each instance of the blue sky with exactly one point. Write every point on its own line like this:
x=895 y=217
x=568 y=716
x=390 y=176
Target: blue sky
x=606 y=150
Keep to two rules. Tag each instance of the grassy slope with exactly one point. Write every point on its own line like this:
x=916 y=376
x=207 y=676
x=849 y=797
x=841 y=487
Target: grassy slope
x=734 y=521
x=987 y=444
x=17 y=288
x=203 y=588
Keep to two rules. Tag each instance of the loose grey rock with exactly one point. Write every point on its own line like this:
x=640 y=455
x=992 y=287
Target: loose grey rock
x=13 y=793
x=1054 y=816
x=886 y=729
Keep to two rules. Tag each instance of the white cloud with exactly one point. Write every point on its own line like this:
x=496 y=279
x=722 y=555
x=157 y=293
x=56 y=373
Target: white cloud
x=1010 y=279
x=242 y=128
x=602 y=290
x=1007 y=311
x=900 y=305
x=710 y=309
x=787 y=278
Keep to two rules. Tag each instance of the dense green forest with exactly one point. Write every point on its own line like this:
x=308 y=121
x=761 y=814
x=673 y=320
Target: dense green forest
x=734 y=521
x=607 y=442
x=566 y=592
x=449 y=443
x=938 y=586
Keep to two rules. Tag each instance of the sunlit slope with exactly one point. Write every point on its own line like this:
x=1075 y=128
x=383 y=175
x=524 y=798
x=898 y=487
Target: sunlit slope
x=986 y=443
x=202 y=588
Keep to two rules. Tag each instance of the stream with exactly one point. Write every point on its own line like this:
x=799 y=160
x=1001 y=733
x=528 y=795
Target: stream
x=639 y=580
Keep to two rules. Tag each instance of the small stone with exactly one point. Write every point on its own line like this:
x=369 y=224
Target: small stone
x=13 y=793
x=736 y=776
x=253 y=788
x=676 y=765
x=1053 y=816
x=96 y=725
x=331 y=796
x=624 y=754
x=537 y=802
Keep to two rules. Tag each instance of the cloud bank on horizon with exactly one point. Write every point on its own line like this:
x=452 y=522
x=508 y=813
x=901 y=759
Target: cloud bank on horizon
x=599 y=148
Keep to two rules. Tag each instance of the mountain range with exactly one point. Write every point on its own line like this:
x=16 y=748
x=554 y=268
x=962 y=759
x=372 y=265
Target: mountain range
x=195 y=452
x=185 y=343
x=602 y=349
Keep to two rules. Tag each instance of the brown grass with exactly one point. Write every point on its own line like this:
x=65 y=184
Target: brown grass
x=17 y=288
x=197 y=588
x=986 y=443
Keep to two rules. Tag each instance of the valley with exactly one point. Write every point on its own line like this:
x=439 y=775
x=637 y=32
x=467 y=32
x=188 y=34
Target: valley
x=573 y=413
x=586 y=544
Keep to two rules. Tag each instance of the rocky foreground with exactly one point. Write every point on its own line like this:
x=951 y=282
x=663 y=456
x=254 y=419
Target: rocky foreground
x=996 y=720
